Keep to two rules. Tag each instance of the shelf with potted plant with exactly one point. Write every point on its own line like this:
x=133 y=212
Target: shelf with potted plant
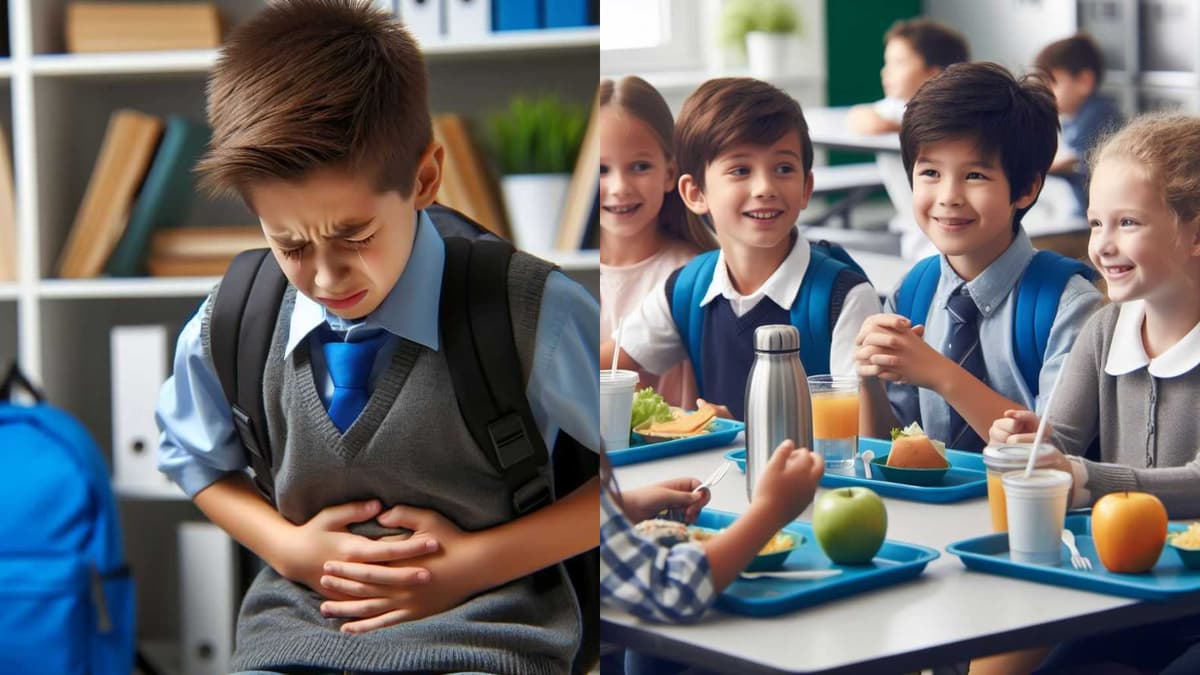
x=535 y=143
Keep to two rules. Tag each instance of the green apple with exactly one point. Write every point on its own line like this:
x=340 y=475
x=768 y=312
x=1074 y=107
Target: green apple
x=850 y=524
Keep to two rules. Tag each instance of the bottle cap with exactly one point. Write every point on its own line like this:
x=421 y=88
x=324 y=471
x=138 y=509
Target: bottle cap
x=776 y=338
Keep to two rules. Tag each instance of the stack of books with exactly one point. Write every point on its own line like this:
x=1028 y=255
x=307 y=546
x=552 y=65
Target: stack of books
x=133 y=27
x=140 y=190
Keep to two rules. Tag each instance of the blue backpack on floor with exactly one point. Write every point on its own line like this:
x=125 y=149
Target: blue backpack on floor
x=66 y=597
x=811 y=312
x=1038 y=293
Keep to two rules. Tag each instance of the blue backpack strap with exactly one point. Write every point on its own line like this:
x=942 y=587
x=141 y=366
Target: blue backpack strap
x=1038 y=293
x=810 y=312
x=917 y=289
x=691 y=283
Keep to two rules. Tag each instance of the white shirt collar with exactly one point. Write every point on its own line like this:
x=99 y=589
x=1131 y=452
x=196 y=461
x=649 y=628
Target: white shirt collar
x=1127 y=352
x=781 y=287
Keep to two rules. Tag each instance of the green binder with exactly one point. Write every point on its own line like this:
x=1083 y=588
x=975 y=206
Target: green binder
x=164 y=196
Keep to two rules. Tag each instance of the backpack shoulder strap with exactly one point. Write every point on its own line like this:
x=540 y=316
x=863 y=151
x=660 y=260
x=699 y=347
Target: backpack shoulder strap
x=691 y=283
x=241 y=326
x=1038 y=294
x=482 y=356
x=812 y=311
x=917 y=289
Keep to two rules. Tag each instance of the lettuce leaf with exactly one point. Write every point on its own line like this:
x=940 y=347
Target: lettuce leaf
x=648 y=405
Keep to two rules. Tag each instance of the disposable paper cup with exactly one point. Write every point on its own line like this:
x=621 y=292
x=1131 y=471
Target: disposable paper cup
x=616 y=405
x=1037 y=508
x=999 y=460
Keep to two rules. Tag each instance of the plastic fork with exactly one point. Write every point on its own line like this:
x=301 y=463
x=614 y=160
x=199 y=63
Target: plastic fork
x=716 y=476
x=1078 y=561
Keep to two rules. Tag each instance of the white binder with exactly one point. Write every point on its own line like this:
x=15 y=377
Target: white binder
x=207 y=597
x=468 y=19
x=139 y=367
x=423 y=18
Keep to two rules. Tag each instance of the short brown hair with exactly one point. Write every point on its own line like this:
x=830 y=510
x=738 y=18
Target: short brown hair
x=729 y=111
x=1074 y=55
x=1167 y=145
x=940 y=45
x=639 y=98
x=1014 y=121
x=313 y=84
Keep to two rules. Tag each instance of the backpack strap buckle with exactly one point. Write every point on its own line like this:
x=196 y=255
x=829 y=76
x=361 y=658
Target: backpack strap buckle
x=533 y=495
x=510 y=440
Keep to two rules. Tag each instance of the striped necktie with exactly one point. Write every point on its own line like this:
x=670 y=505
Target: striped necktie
x=963 y=349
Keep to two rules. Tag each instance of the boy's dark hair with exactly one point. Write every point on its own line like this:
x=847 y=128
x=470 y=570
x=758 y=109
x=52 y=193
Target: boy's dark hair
x=729 y=111
x=940 y=45
x=1074 y=55
x=1014 y=121
x=313 y=84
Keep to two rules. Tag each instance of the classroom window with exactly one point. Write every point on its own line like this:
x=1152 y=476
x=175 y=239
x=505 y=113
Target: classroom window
x=641 y=35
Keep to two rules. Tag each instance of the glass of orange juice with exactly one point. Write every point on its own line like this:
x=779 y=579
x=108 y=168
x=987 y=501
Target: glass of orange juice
x=835 y=420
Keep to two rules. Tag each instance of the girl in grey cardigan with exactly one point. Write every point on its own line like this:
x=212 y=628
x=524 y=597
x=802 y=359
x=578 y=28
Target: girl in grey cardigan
x=1133 y=377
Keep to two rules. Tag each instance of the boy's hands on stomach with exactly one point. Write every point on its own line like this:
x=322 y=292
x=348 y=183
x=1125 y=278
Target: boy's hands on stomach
x=891 y=348
x=381 y=593
x=301 y=554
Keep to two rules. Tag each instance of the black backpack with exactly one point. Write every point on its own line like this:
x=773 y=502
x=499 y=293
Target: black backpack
x=474 y=301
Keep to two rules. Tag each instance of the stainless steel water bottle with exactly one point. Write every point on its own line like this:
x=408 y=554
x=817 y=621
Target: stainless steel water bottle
x=778 y=406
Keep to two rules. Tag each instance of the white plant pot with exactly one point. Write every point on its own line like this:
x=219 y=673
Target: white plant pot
x=767 y=53
x=535 y=203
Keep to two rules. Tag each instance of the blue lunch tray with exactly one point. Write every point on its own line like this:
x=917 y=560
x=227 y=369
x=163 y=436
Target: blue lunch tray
x=723 y=433
x=966 y=479
x=1167 y=579
x=896 y=562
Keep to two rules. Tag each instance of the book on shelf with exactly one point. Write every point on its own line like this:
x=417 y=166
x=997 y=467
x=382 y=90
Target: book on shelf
x=137 y=26
x=466 y=184
x=165 y=194
x=199 y=251
x=584 y=188
x=186 y=267
x=8 y=215
x=124 y=158
x=206 y=241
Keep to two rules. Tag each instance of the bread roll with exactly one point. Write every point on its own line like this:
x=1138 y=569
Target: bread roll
x=915 y=452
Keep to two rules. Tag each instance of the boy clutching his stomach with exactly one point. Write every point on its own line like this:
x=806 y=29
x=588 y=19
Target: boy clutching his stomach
x=321 y=125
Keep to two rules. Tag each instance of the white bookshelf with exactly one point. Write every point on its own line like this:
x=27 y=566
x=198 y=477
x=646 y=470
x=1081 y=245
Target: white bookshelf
x=57 y=107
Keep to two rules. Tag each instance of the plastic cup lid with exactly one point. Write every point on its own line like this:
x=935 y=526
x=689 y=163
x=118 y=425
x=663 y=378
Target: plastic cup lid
x=1012 y=456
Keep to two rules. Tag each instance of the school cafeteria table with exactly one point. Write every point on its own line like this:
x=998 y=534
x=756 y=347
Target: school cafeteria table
x=947 y=615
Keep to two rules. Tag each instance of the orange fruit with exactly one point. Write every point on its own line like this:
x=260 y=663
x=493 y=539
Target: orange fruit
x=1129 y=530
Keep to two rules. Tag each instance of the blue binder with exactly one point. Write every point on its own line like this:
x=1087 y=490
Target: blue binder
x=566 y=13
x=515 y=15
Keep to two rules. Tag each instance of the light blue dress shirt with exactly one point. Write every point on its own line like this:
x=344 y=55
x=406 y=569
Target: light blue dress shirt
x=993 y=291
x=199 y=443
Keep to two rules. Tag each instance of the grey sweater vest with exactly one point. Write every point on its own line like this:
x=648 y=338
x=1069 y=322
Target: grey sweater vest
x=409 y=446
x=1148 y=427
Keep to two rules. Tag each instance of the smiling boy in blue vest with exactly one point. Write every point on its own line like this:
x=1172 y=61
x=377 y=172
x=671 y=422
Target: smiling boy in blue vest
x=321 y=125
x=745 y=162
x=985 y=326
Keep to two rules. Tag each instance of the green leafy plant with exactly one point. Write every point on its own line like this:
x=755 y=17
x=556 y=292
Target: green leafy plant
x=538 y=135
x=744 y=16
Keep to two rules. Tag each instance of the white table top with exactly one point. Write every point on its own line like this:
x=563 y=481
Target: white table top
x=948 y=614
x=828 y=127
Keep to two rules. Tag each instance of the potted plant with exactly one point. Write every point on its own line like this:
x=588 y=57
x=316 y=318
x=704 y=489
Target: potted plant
x=535 y=142
x=762 y=29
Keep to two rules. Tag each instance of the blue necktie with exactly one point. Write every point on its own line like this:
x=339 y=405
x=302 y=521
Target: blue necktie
x=350 y=368
x=963 y=349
